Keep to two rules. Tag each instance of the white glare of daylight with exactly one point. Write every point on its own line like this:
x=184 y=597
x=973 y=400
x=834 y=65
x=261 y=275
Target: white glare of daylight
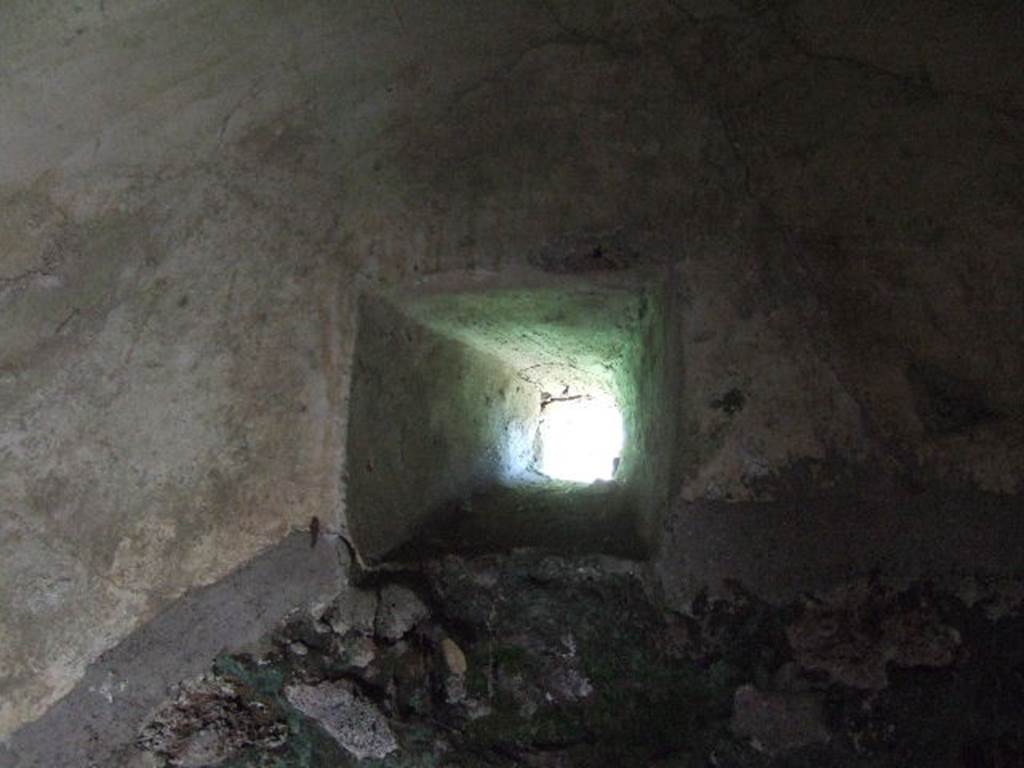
x=580 y=439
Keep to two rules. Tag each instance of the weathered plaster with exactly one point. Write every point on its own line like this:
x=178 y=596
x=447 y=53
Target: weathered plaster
x=194 y=194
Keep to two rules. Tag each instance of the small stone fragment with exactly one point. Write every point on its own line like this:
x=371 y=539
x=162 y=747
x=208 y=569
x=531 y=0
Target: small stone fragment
x=354 y=723
x=353 y=611
x=398 y=611
x=777 y=722
x=456 y=665
x=454 y=658
x=298 y=649
x=359 y=651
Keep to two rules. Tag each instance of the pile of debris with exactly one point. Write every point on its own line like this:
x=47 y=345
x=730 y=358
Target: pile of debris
x=533 y=659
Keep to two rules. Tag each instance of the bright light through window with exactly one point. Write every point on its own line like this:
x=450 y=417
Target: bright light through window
x=580 y=440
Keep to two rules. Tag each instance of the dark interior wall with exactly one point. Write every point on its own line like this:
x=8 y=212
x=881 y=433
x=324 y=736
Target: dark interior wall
x=835 y=188
x=765 y=162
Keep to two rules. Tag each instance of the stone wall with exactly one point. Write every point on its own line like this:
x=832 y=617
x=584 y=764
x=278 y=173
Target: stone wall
x=193 y=195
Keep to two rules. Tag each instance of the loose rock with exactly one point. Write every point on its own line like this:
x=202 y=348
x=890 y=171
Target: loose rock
x=353 y=722
x=353 y=611
x=454 y=658
x=398 y=611
x=358 y=651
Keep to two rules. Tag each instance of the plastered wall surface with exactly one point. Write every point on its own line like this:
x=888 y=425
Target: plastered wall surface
x=192 y=195
x=432 y=421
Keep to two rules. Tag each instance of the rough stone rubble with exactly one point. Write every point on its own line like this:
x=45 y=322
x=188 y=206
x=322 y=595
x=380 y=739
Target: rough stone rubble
x=532 y=659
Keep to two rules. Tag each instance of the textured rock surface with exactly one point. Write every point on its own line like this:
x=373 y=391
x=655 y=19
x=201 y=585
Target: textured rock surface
x=355 y=724
x=191 y=195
